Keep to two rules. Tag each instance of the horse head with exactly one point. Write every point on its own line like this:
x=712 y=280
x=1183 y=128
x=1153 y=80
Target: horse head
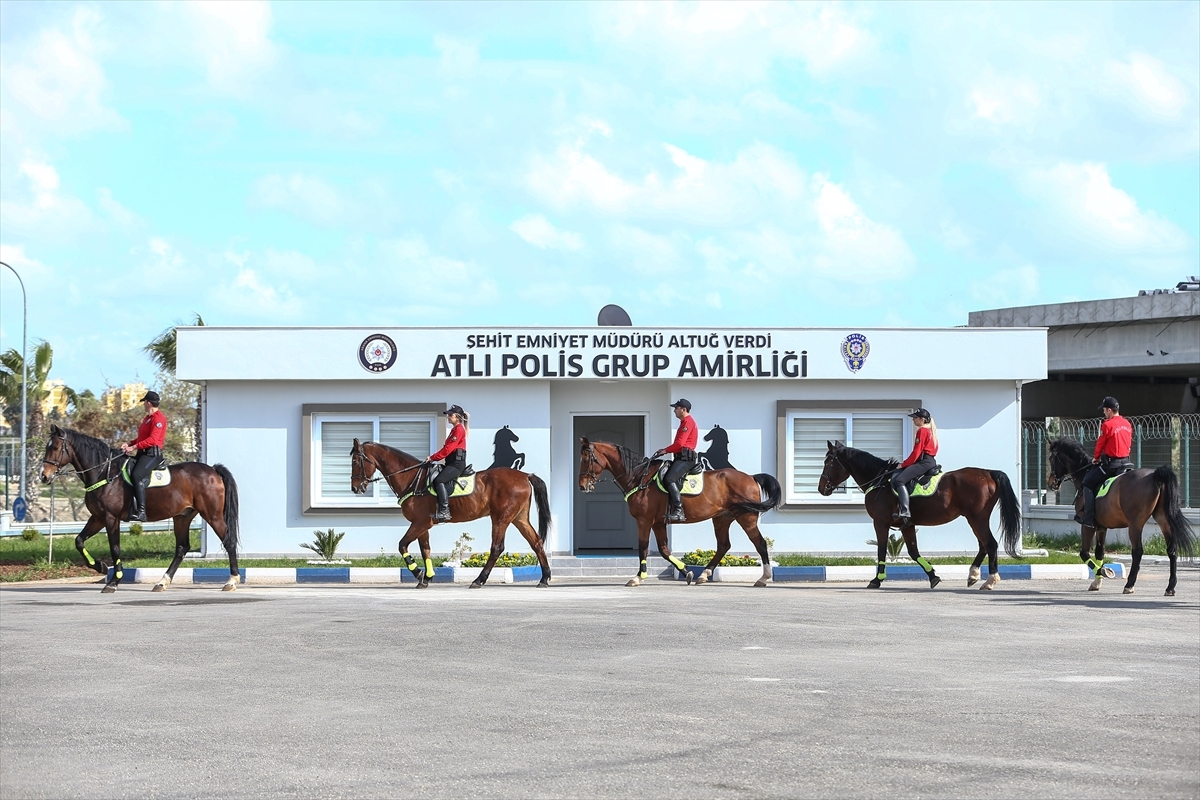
x=1067 y=459
x=505 y=434
x=591 y=465
x=362 y=468
x=834 y=473
x=59 y=454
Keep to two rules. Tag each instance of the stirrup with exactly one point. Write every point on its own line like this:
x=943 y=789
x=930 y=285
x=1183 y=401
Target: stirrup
x=676 y=515
x=442 y=515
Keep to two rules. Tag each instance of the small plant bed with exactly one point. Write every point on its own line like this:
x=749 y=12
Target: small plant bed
x=143 y=550
x=817 y=560
x=505 y=560
x=41 y=571
x=702 y=557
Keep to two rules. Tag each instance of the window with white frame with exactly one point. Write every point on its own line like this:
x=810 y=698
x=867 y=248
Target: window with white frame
x=880 y=433
x=333 y=436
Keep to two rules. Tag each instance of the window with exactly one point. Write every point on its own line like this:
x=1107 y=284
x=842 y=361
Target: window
x=329 y=436
x=880 y=428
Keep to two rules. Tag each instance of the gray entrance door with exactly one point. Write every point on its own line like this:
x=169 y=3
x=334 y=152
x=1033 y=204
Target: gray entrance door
x=602 y=523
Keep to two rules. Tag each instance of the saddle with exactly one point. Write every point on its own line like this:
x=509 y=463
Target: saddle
x=463 y=484
x=926 y=484
x=1108 y=482
x=693 y=479
x=158 y=477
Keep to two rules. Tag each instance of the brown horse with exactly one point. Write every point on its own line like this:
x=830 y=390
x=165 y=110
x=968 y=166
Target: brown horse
x=969 y=492
x=506 y=495
x=194 y=489
x=1133 y=498
x=728 y=495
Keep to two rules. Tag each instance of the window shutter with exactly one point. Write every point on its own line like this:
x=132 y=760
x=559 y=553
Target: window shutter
x=883 y=438
x=411 y=436
x=809 y=436
x=337 y=438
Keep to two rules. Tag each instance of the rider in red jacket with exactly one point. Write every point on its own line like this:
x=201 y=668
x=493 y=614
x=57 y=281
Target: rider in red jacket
x=684 y=450
x=455 y=453
x=148 y=445
x=919 y=461
x=1111 y=457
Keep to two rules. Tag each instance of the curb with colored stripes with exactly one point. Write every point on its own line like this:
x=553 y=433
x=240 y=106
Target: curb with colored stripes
x=393 y=575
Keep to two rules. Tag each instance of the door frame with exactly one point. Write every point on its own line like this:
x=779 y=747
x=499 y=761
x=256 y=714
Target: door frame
x=645 y=415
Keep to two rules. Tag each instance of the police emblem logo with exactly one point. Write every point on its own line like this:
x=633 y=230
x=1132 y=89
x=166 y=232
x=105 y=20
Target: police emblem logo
x=855 y=349
x=377 y=353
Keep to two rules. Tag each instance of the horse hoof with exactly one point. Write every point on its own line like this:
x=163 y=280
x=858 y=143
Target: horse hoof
x=1167 y=593
x=476 y=585
x=158 y=587
x=875 y=584
x=109 y=588
x=634 y=582
x=422 y=584
x=1108 y=572
x=1129 y=590
x=702 y=578
x=934 y=580
x=972 y=581
x=760 y=583
x=543 y=584
x=229 y=587
x=1094 y=586
x=688 y=576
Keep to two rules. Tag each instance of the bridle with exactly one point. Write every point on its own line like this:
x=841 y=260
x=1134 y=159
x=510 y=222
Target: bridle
x=1055 y=480
x=59 y=467
x=597 y=477
x=862 y=487
x=363 y=460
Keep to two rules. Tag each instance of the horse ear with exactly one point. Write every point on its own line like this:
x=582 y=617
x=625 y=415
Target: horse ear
x=583 y=440
x=356 y=444
x=54 y=429
x=829 y=443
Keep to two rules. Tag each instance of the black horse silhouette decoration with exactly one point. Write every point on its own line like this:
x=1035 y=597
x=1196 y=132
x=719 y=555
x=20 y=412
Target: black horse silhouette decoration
x=504 y=454
x=717 y=454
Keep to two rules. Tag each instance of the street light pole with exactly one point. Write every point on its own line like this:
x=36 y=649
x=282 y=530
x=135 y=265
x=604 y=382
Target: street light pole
x=24 y=377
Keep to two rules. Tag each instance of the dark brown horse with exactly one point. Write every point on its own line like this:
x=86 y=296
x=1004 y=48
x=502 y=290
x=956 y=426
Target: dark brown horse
x=1133 y=498
x=969 y=492
x=194 y=489
x=728 y=495
x=506 y=495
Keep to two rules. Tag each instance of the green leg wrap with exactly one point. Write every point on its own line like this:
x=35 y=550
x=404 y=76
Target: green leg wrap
x=679 y=565
x=925 y=565
x=429 y=568
x=411 y=563
x=642 y=571
x=881 y=574
x=1095 y=566
x=119 y=573
x=91 y=561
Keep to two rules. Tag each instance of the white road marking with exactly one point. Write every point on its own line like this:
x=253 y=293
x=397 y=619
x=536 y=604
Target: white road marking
x=1092 y=679
x=755 y=647
x=764 y=680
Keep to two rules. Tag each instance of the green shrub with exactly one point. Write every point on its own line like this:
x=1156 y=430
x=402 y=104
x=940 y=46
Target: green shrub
x=136 y=529
x=31 y=534
x=702 y=557
x=505 y=560
x=895 y=544
x=325 y=543
x=1154 y=546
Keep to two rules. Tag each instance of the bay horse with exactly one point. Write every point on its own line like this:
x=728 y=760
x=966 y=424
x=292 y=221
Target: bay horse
x=195 y=488
x=1134 y=497
x=728 y=495
x=506 y=495
x=969 y=492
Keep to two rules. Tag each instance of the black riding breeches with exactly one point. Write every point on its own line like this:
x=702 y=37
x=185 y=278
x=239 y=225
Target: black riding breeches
x=913 y=471
x=447 y=475
x=146 y=462
x=677 y=471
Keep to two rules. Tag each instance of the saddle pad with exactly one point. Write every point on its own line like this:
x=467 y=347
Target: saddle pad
x=158 y=477
x=692 y=484
x=464 y=485
x=1104 y=487
x=921 y=490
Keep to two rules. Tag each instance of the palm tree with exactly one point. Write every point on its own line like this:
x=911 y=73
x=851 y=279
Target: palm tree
x=12 y=366
x=162 y=352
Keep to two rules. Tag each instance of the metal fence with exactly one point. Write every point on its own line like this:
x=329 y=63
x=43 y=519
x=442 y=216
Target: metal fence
x=1158 y=439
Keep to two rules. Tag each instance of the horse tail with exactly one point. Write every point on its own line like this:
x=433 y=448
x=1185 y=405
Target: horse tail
x=770 y=488
x=231 y=509
x=1010 y=512
x=542 y=499
x=1181 y=529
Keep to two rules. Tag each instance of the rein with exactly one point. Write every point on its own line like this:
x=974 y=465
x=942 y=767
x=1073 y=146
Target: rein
x=363 y=457
x=102 y=466
x=595 y=480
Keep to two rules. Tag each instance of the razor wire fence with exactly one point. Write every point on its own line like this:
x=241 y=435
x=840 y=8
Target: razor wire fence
x=1158 y=439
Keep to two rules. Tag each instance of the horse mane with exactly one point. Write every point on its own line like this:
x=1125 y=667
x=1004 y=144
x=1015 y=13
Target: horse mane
x=391 y=449
x=91 y=451
x=864 y=462
x=635 y=463
x=1071 y=450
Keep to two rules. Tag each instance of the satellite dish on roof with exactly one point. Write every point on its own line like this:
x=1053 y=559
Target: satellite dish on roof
x=611 y=316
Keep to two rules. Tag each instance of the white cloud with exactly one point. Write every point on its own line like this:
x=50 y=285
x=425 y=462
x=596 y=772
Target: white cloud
x=232 y=38
x=1003 y=101
x=1149 y=85
x=36 y=206
x=1083 y=197
x=57 y=77
x=458 y=58
x=1008 y=287
x=305 y=196
x=853 y=243
x=539 y=232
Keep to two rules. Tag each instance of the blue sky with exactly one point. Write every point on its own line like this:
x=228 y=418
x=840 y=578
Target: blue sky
x=523 y=164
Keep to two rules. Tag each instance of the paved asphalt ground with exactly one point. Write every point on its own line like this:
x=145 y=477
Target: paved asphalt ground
x=1038 y=689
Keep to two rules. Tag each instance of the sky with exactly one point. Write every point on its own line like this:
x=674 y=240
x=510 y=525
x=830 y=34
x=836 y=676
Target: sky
x=714 y=164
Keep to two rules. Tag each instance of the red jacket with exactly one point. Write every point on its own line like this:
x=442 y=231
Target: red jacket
x=1116 y=437
x=924 y=444
x=457 y=440
x=152 y=432
x=687 y=436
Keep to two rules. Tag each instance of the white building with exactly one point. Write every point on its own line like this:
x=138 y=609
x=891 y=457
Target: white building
x=282 y=406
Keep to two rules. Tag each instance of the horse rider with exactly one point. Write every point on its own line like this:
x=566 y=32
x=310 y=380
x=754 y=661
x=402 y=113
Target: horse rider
x=455 y=454
x=684 y=451
x=148 y=445
x=1111 y=457
x=919 y=462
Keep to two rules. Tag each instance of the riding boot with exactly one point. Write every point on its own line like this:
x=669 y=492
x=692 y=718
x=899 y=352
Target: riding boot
x=1088 y=517
x=902 y=515
x=443 y=502
x=137 y=511
x=676 y=503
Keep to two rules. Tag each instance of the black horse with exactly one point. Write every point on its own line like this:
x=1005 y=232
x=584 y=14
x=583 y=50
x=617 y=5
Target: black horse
x=194 y=489
x=717 y=454
x=1133 y=498
x=503 y=452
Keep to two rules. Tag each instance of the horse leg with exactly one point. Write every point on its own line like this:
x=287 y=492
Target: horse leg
x=216 y=521
x=993 y=548
x=660 y=538
x=749 y=523
x=721 y=528
x=498 y=529
x=643 y=551
x=910 y=541
x=882 y=529
x=1107 y=572
x=90 y=529
x=114 y=547
x=1086 y=534
x=531 y=536
x=183 y=524
x=1135 y=545
x=1164 y=525
x=417 y=530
